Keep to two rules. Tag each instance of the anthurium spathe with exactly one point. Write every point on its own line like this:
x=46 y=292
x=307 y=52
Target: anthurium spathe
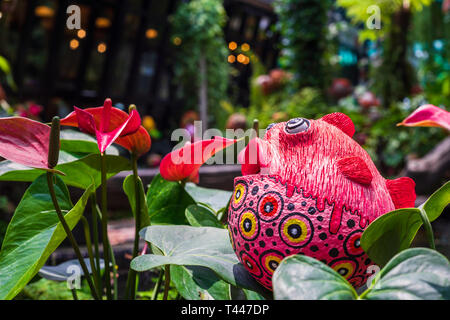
x=25 y=141
x=111 y=125
x=183 y=164
x=428 y=116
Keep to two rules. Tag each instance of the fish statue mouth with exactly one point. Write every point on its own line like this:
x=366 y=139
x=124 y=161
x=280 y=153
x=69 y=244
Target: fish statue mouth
x=266 y=225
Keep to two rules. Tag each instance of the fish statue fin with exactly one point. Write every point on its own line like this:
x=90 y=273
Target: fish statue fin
x=340 y=121
x=355 y=169
x=402 y=192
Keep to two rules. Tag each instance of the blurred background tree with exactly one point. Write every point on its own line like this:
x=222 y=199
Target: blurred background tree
x=201 y=57
x=302 y=25
x=394 y=78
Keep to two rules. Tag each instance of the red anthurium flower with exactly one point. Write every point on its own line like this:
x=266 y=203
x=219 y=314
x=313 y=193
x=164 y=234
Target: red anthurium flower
x=25 y=141
x=428 y=116
x=183 y=164
x=111 y=125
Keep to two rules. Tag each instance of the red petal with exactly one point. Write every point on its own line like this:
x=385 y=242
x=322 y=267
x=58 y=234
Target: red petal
x=428 y=116
x=105 y=139
x=24 y=141
x=184 y=163
x=133 y=124
x=86 y=121
x=138 y=142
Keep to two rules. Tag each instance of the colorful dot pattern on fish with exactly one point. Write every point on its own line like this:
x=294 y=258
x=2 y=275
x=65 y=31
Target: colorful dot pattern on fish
x=312 y=191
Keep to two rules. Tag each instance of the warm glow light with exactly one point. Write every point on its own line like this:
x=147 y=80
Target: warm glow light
x=81 y=33
x=245 y=47
x=246 y=60
x=231 y=58
x=44 y=12
x=241 y=58
x=177 y=41
x=232 y=45
x=101 y=47
x=102 y=22
x=151 y=33
x=74 y=44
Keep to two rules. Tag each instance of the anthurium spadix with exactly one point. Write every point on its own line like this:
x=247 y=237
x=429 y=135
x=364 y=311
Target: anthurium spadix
x=25 y=141
x=428 y=116
x=111 y=125
x=183 y=164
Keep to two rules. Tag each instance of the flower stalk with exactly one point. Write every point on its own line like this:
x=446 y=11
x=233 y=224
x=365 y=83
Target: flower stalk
x=104 y=204
x=53 y=156
x=132 y=276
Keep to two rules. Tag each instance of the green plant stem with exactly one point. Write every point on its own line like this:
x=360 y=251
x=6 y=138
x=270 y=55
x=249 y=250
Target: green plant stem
x=157 y=285
x=131 y=280
x=113 y=261
x=94 y=213
x=87 y=236
x=74 y=294
x=166 y=281
x=72 y=240
x=105 y=227
x=428 y=228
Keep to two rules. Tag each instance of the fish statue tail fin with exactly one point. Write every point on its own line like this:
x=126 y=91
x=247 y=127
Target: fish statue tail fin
x=402 y=191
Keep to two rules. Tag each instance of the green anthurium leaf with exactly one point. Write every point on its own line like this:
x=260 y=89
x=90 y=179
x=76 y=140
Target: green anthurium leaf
x=79 y=172
x=82 y=172
x=130 y=190
x=167 y=202
x=198 y=283
x=195 y=246
x=199 y=216
x=213 y=198
x=78 y=142
x=34 y=233
x=416 y=273
x=437 y=202
x=11 y=171
x=245 y=294
x=253 y=295
x=390 y=233
x=300 y=277
x=394 y=231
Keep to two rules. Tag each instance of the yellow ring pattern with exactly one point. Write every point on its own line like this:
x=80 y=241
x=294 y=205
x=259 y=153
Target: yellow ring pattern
x=271 y=258
x=241 y=189
x=248 y=215
x=302 y=226
x=345 y=265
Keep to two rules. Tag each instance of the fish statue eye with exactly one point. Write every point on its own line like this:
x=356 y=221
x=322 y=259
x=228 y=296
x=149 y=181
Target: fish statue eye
x=297 y=125
x=270 y=126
